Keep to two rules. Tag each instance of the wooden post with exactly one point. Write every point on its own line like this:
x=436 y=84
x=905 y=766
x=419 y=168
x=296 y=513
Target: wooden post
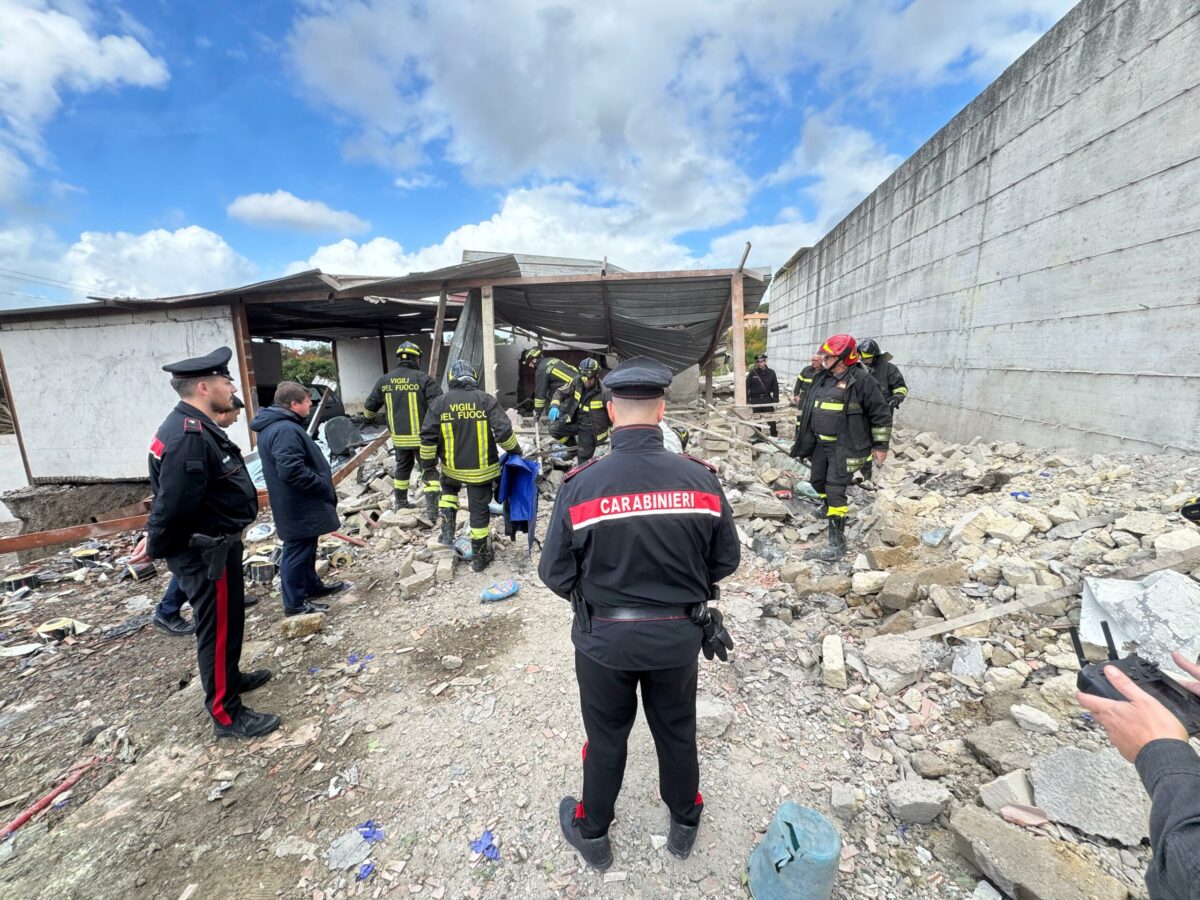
x=737 y=303
x=708 y=382
x=12 y=412
x=439 y=326
x=245 y=356
x=488 y=308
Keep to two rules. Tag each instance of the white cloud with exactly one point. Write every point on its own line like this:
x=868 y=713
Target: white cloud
x=417 y=181
x=156 y=263
x=285 y=210
x=45 y=51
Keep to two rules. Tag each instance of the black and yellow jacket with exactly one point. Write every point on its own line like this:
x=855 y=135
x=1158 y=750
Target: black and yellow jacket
x=861 y=420
x=407 y=393
x=552 y=375
x=891 y=382
x=462 y=429
x=803 y=382
x=584 y=405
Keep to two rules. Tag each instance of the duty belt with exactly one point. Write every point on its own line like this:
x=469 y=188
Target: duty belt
x=639 y=613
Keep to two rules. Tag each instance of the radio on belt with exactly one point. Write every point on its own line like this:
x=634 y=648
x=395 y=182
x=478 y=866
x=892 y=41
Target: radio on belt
x=1182 y=703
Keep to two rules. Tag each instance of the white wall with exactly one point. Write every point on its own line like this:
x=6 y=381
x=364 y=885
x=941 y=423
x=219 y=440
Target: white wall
x=1033 y=267
x=12 y=471
x=360 y=366
x=90 y=392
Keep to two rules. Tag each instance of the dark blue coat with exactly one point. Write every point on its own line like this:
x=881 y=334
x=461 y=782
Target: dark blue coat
x=299 y=481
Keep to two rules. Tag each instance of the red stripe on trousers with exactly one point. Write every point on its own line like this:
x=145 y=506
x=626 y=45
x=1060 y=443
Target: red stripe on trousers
x=218 y=709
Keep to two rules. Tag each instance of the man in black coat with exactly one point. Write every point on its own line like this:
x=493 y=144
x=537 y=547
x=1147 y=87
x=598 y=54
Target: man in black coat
x=300 y=485
x=762 y=388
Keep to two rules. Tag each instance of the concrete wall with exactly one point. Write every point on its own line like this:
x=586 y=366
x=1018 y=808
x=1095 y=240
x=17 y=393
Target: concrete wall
x=12 y=471
x=360 y=365
x=90 y=392
x=1034 y=267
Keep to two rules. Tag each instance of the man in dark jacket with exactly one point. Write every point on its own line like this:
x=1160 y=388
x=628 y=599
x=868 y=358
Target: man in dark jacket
x=844 y=422
x=887 y=375
x=463 y=428
x=303 y=499
x=550 y=375
x=762 y=388
x=578 y=413
x=803 y=382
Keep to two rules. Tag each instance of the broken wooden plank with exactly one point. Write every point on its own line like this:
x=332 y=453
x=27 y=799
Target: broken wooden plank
x=359 y=458
x=1131 y=573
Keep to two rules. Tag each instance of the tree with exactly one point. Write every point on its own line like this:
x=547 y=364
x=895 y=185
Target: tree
x=756 y=343
x=308 y=361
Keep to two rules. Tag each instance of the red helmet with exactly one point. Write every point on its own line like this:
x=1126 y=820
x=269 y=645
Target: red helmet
x=843 y=347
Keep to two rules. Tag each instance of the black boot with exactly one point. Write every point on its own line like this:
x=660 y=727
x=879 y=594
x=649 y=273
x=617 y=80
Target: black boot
x=837 y=540
x=401 y=499
x=248 y=724
x=596 y=852
x=481 y=554
x=431 y=506
x=449 y=517
x=681 y=838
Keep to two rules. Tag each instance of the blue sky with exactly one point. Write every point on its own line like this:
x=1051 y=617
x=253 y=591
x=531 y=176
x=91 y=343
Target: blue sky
x=152 y=148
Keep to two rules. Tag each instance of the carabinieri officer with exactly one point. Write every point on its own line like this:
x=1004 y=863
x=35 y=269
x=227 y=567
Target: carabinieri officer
x=638 y=541
x=203 y=499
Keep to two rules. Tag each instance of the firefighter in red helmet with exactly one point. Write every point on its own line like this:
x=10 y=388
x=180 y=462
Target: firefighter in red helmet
x=844 y=422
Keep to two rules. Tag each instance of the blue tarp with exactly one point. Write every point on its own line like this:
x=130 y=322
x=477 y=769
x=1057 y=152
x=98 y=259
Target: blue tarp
x=519 y=495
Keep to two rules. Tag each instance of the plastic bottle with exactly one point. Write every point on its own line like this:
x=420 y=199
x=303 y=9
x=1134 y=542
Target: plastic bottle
x=797 y=859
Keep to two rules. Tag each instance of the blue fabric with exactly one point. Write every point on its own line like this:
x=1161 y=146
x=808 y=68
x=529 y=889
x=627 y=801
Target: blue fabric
x=298 y=572
x=519 y=495
x=298 y=478
x=172 y=601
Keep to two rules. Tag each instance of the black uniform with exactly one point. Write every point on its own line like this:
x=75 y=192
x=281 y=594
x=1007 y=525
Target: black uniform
x=406 y=392
x=891 y=382
x=843 y=419
x=1170 y=770
x=762 y=388
x=583 y=416
x=637 y=539
x=552 y=375
x=462 y=429
x=803 y=382
x=201 y=487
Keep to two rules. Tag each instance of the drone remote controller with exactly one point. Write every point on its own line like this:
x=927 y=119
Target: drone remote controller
x=1182 y=703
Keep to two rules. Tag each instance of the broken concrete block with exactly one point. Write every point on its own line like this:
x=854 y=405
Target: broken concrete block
x=1143 y=523
x=1002 y=678
x=888 y=557
x=1006 y=528
x=1024 y=865
x=893 y=662
x=843 y=801
x=1037 y=519
x=833 y=662
x=898 y=591
x=1177 y=541
x=1059 y=693
x=945 y=575
x=1007 y=790
x=917 y=800
x=864 y=583
x=417 y=583
x=444 y=571
x=1000 y=746
x=292 y=627
x=950 y=603
x=1060 y=515
x=1034 y=719
x=972 y=527
x=1068 y=531
x=928 y=764
x=1155 y=616
x=1016 y=571
x=1098 y=793
x=713 y=717
x=985 y=891
x=968 y=660
x=900 y=622
x=838 y=585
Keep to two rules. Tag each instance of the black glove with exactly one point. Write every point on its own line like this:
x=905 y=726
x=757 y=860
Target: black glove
x=716 y=639
x=515 y=451
x=894 y=401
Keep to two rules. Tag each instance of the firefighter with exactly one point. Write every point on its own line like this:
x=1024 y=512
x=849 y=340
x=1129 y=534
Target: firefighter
x=552 y=374
x=803 y=382
x=462 y=429
x=406 y=391
x=888 y=376
x=578 y=414
x=638 y=541
x=203 y=500
x=843 y=423
x=762 y=388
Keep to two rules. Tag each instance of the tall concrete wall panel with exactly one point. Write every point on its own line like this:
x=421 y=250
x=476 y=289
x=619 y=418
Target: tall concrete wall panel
x=1035 y=267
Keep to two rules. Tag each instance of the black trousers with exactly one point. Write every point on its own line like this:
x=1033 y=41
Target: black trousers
x=608 y=699
x=827 y=480
x=771 y=425
x=298 y=572
x=572 y=433
x=218 y=609
x=478 y=498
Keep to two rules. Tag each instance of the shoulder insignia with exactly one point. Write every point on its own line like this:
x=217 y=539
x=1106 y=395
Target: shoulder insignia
x=193 y=425
x=575 y=471
x=702 y=462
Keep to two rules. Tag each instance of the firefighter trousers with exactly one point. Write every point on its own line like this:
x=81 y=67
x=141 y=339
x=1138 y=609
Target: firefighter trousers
x=608 y=699
x=479 y=496
x=827 y=480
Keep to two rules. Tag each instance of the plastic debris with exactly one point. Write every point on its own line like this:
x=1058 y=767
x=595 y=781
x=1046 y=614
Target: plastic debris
x=260 y=532
x=371 y=832
x=365 y=872
x=462 y=546
x=348 y=851
x=360 y=660
x=1021 y=496
x=501 y=590
x=495 y=508
x=486 y=845
x=57 y=629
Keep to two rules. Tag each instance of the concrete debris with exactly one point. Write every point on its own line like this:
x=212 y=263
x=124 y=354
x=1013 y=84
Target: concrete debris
x=984 y=891
x=844 y=801
x=713 y=717
x=1010 y=789
x=1034 y=720
x=893 y=662
x=1177 y=541
x=917 y=800
x=1098 y=793
x=1023 y=865
x=1153 y=617
x=833 y=662
x=870 y=582
x=1000 y=746
x=292 y=627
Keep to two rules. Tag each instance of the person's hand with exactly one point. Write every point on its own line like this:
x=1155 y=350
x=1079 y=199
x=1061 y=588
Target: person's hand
x=1134 y=724
x=880 y=456
x=1191 y=668
x=139 y=552
x=894 y=401
x=553 y=414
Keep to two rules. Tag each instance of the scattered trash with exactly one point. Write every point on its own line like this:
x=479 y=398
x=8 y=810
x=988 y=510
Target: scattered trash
x=501 y=590
x=1020 y=496
x=360 y=660
x=20 y=650
x=58 y=629
x=129 y=626
x=347 y=851
x=784 y=494
x=486 y=847
x=219 y=789
x=797 y=857
x=462 y=547
x=365 y=872
x=340 y=558
x=261 y=532
x=140 y=572
x=371 y=832
x=495 y=508
x=16 y=582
